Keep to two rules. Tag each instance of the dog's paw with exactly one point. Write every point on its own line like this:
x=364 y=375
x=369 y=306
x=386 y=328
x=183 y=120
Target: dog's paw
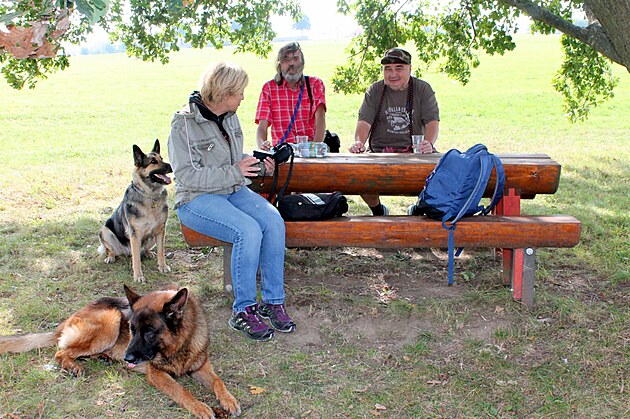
x=201 y=410
x=73 y=369
x=230 y=404
x=140 y=278
x=110 y=259
x=164 y=268
x=148 y=255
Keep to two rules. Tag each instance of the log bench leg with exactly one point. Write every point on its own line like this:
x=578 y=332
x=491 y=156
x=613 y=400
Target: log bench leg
x=516 y=265
x=512 y=261
x=510 y=204
x=529 y=273
x=227 y=268
x=519 y=265
x=524 y=261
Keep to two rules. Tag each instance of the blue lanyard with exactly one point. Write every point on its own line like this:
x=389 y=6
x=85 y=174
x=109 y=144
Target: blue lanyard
x=297 y=106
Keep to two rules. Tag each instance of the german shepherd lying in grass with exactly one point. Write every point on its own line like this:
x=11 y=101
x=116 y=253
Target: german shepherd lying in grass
x=139 y=222
x=163 y=334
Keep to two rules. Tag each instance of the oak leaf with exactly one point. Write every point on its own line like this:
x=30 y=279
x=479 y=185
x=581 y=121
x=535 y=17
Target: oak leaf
x=256 y=390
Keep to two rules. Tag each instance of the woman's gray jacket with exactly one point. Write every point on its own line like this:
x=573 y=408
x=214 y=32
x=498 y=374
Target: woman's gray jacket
x=203 y=160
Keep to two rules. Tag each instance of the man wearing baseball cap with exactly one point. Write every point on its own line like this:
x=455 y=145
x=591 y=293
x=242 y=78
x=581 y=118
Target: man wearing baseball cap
x=393 y=110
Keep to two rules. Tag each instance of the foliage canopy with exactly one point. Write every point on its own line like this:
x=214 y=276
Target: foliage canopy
x=450 y=35
x=31 y=47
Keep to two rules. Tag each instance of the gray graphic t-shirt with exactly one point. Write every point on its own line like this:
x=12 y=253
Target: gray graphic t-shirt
x=392 y=127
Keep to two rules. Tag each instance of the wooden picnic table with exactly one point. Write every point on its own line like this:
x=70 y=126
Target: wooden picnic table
x=527 y=175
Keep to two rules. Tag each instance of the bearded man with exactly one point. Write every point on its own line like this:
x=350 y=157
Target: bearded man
x=291 y=104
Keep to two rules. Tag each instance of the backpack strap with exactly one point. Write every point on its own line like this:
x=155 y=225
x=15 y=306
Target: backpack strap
x=378 y=111
x=499 y=185
x=272 y=197
x=410 y=108
x=308 y=90
x=295 y=111
x=451 y=254
x=476 y=149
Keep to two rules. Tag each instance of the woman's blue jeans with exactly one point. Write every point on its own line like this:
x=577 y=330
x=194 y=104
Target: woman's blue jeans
x=256 y=231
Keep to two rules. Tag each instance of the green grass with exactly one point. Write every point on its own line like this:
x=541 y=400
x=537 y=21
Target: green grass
x=465 y=351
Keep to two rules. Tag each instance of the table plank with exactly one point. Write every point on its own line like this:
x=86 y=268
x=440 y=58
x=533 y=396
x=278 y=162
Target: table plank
x=404 y=174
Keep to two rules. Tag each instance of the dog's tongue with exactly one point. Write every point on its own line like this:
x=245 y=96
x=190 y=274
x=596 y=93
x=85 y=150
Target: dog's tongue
x=131 y=365
x=164 y=178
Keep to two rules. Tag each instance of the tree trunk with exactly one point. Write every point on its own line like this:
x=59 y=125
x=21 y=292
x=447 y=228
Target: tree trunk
x=614 y=15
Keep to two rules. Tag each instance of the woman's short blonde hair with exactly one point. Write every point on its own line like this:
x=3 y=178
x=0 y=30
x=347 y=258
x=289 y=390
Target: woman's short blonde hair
x=221 y=80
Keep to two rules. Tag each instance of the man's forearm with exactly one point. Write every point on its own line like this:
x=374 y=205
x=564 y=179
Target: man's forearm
x=261 y=132
x=431 y=131
x=360 y=137
x=320 y=123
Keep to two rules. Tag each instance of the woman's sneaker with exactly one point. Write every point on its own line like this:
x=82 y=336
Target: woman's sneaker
x=251 y=324
x=277 y=316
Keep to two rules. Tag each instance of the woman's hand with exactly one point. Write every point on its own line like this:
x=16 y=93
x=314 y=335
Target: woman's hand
x=249 y=166
x=270 y=165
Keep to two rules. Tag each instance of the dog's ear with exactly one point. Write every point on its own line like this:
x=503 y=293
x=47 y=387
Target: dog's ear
x=138 y=156
x=156 y=146
x=174 y=309
x=132 y=296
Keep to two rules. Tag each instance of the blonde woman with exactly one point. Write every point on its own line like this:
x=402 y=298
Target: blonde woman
x=211 y=174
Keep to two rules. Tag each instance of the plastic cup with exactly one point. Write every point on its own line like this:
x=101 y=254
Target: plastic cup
x=415 y=143
x=299 y=139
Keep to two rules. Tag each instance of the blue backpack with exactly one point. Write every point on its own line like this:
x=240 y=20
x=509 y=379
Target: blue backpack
x=455 y=187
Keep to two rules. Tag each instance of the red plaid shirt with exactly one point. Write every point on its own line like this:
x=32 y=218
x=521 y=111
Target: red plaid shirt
x=276 y=105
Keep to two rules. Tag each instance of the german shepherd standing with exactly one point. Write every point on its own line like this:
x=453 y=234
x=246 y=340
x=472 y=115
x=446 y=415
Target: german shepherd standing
x=163 y=334
x=139 y=222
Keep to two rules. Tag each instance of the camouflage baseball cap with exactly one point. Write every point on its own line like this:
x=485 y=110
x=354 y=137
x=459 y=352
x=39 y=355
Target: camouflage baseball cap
x=396 y=56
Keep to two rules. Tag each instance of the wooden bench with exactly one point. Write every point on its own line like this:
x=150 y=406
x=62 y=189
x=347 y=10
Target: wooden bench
x=403 y=175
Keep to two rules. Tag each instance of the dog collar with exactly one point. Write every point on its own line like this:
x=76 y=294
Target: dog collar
x=154 y=201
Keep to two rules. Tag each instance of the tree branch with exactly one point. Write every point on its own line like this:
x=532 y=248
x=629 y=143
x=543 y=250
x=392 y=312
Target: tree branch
x=593 y=35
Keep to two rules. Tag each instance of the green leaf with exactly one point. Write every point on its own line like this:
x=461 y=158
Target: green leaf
x=93 y=10
x=8 y=18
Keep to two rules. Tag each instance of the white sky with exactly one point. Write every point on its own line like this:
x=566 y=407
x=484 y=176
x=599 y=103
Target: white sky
x=326 y=23
x=322 y=14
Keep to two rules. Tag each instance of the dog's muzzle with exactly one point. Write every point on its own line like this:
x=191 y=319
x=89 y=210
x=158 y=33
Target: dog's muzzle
x=160 y=176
